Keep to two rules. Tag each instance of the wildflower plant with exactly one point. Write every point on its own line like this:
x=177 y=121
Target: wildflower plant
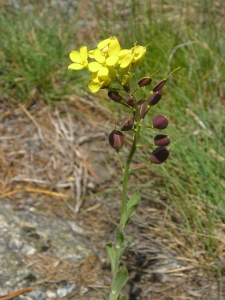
x=112 y=68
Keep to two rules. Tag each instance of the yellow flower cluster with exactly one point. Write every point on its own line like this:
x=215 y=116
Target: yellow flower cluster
x=110 y=61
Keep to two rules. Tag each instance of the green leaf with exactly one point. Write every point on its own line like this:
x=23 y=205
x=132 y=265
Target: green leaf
x=128 y=214
x=131 y=207
x=119 y=237
x=112 y=255
x=121 y=252
x=122 y=298
x=119 y=280
x=114 y=296
x=134 y=200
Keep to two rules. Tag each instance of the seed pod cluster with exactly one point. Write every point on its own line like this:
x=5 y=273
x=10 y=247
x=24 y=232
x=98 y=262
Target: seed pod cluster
x=161 y=153
x=140 y=109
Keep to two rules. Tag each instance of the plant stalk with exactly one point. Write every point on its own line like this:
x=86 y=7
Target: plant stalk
x=128 y=162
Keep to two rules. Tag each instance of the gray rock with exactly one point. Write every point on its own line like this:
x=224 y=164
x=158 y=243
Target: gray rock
x=27 y=233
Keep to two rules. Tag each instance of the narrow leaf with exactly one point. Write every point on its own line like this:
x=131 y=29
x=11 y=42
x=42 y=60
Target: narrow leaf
x=134 y=200
x=119 y=280
x=128 y=214
x=112 y=255
x=121 y=252
x=119 y=237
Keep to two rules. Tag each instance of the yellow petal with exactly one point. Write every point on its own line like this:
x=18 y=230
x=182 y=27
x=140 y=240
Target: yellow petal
x=75 y=57
x=94 y=66
x=95 y=78
x=111 y=60
x=99 y=57
x=106 y=83
x=76 y=66
x=84 y=53
x=91 y=53
x=103 y=43
x=103 y=73
x=139 y=53
x=114 y=47
x=94 y=87
x=126 y=61
x=123 y=52
x=124 y=70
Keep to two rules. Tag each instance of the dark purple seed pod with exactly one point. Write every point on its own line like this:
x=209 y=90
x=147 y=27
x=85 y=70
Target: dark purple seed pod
x=161 y=140
x=159 y=85
x=160 y=122
x=115 y=96
x=159 y=155
x=154 y=98
x=130 y=100
x=127 y=124
x=116 y=139
x=143 y=109
x=126 y=88
x=144 y=81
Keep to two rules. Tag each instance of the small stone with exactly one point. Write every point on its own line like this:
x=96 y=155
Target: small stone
x=65 y=288
x=50 y=294
x=75 y=227
x=15 y=243
x=28 y=250
x=83 y=290
x=37 y=295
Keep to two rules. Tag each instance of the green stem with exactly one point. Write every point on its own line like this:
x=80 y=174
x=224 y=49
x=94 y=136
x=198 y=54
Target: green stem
x=128 y=162
x=126 y=172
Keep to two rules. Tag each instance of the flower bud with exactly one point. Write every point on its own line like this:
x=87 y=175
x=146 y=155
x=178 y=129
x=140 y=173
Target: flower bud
x=144 y=81
x=127 y=124
x=159 y=85
x=116 y=139
x=159 y=155
x=154 y=98
x=161 y=140
x=160 y=122
x=115 y=96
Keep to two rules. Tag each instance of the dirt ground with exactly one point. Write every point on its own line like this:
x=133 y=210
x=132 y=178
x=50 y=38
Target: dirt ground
x=60 y=156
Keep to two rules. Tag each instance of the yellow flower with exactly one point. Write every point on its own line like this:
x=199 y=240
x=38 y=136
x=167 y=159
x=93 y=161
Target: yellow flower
x=102 y=64
x=130 y=58
x=139 y=53
x=125 y=58
x=102 y=68
x=108 y=62
x=110 y=46
x=97 y=82
x=80 y=59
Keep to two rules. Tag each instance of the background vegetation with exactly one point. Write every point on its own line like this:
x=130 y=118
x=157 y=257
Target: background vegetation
x=36 y=38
